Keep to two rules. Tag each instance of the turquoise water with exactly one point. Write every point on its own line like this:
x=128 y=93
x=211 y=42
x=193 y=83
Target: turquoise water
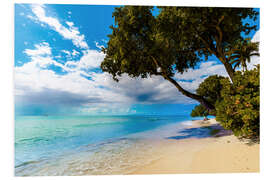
x=41 y=138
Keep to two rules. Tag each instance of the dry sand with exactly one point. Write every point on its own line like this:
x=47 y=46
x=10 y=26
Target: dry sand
x=222 y=153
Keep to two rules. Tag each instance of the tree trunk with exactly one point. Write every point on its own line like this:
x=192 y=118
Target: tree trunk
x=229 y=70
x=200 y=99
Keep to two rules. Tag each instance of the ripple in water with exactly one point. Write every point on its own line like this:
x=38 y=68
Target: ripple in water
x=116 y=157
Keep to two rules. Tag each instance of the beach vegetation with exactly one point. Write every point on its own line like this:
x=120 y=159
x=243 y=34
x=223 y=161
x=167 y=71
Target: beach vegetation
x=210 y=89
x=200 y=111
x=239 y=106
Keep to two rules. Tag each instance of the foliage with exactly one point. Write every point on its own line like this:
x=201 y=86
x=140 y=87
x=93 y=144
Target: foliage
x=242 y=53
x=203 y=32
x=142 y=45
x=210 y=89
x=236 y=104
x=239 y=107
x=173 y=41
x=131 y=45
x=199 y=110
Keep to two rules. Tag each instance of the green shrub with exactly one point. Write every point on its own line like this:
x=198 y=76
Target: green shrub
x=239 y=106
x=210 y=89
x=200 y=111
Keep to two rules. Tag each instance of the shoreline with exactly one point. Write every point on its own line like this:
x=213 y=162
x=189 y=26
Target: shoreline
x=221 y=152
x=192 y=146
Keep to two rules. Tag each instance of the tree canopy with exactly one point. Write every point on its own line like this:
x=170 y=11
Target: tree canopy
x=178 y=38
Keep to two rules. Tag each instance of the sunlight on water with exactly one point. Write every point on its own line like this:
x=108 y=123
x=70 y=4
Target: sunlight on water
x=83 y=145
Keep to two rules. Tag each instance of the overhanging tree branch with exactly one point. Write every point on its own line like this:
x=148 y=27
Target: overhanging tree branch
x=203 y=101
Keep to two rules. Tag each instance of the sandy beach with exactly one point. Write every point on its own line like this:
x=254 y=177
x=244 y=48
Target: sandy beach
x=220 y=153
x=183 y=147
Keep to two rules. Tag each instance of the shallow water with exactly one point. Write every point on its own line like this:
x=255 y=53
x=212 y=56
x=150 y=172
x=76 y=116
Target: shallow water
x=81 y=145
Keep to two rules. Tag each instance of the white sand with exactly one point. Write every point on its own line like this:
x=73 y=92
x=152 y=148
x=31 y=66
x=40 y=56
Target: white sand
x=223 y=154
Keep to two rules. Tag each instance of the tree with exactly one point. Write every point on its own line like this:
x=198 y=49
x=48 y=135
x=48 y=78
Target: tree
x=207 y=31
x=143 y=45
x=200 y=111
x=209 y=89
x=239 y=106
x=242 y=53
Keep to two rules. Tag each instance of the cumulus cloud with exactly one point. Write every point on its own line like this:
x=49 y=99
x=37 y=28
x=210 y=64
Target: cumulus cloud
x=41 y=49
x=35 y=83
x=70 y=55
x=71 y=32
x=90 y=91
x=75 y=53
x=41 y=57
x=66 y=52
x=98 y=92
x=254 y=59
x=91 y=59
x=206 y=69
x=139 y=90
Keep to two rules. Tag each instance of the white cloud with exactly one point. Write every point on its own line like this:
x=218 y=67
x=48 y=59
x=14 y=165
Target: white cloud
x=72 y=33
x=206 y=69
x=256 y=37
x=100 y=93
x=70 y=24
x=90 y=59
x=41 y=49
x=33 y=80
x=66 y=52
x=75 y=53
x=116 y=108
x=70 y=54
x=94 y=92
x=98 y=45
x=41 y=57
x=254 y=59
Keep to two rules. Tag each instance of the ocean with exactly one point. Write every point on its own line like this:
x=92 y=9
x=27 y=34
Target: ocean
x=80 y=145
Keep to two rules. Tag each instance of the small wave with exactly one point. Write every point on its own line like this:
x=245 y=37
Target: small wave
x=27 y=163
x=96 y=124
x=33 y=139
x=187 y=123
x=111 y=157
x=156 y=119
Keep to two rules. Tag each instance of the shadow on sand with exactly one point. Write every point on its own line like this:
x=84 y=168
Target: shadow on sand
x=202 y=132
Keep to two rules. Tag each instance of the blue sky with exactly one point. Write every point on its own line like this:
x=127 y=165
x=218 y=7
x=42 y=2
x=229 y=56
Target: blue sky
x=57 y=58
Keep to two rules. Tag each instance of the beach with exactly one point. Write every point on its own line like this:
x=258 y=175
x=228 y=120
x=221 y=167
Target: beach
x=221 y=153
x=182 y=146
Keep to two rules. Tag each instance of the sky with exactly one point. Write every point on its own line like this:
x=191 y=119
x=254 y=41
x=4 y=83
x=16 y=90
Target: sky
x=57 y=58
